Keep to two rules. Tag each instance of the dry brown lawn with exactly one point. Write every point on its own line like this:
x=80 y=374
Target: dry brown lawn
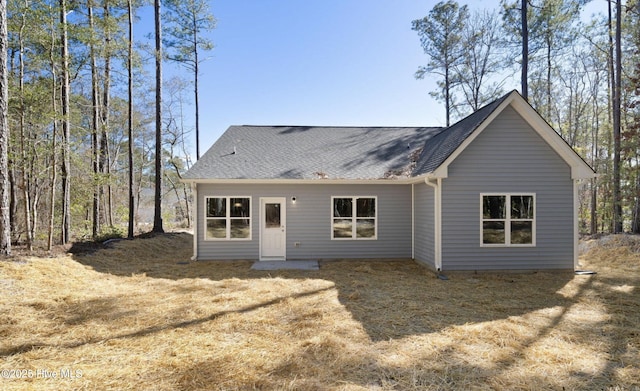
x=139 y=316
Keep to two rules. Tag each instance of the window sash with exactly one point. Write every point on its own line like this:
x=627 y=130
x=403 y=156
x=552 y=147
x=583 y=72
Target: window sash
x=354 y=218
x=507 y=220
x=228 y=218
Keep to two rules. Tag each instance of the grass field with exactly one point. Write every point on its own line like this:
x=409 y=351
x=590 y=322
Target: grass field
x=140 y=316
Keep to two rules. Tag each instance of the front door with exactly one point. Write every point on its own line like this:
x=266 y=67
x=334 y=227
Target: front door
x=273 y=235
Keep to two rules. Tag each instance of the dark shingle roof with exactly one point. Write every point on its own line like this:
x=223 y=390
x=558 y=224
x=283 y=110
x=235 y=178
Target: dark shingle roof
x=320 y=152
x=312 y=152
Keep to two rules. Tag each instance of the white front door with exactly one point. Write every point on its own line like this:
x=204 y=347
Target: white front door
x=273 y=234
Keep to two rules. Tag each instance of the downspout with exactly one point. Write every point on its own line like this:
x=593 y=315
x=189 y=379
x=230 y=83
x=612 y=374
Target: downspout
x=576 y=231
x=196 y=220
x=413 y=223
x=437 y=217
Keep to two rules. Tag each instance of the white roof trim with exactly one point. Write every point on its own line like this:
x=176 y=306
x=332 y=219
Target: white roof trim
x=579 y=168
x=404 y=181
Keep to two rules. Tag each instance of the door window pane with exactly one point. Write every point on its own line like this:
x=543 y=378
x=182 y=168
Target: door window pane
x=272 y=215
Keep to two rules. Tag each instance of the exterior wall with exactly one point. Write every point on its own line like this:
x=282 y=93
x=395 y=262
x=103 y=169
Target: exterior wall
x=309 y=221
x=510 y=157
x=424 y=225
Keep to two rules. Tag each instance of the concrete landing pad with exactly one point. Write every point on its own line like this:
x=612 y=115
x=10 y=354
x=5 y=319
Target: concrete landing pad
x=285 y=265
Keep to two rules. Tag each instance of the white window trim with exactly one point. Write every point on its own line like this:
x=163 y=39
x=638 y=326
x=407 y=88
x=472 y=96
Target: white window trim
x=228 y=219
x=508 y=220
x=354 y=218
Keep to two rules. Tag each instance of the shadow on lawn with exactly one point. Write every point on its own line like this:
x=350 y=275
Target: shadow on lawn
x=86 y=311
x=390 y=299
x=397 y=300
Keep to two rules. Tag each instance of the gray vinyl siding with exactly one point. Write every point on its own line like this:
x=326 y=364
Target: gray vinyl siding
x=508 y=156
x=424 y=225
x=309 y=222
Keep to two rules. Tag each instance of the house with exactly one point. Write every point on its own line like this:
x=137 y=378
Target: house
x=496 y=191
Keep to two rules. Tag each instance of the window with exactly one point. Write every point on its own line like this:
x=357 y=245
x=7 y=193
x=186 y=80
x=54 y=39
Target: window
x=353 y=218
x=508 y=220
x=228 y=218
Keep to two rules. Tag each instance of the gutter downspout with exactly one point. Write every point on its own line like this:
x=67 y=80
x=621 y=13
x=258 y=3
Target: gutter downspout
x=413 y=223
x=437 y=217
x=576 y=232
x=196 y=220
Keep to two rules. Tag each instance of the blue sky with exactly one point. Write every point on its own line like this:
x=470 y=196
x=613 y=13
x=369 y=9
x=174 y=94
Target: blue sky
x=316 y=62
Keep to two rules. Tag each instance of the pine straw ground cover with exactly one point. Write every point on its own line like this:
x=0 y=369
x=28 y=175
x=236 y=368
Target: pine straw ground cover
x=139 y=316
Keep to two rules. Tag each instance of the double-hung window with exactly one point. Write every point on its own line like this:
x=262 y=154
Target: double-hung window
x=354 y=218
x=228 y=218
x=508 y=219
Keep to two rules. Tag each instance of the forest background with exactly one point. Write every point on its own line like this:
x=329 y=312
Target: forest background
x=88 y=139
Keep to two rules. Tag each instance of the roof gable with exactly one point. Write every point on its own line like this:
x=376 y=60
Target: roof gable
x=446 y=147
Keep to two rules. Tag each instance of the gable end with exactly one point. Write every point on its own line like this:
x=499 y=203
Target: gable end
x=579 y=168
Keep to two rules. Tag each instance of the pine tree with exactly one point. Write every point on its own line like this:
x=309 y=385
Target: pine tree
x=440 y=36
x=188 y=22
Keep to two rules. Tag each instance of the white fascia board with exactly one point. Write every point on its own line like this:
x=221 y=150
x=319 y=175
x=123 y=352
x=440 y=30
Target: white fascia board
x=405 y=181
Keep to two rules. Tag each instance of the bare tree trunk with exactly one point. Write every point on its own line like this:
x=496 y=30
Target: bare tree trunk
x=26 y=202
x=105 y=155
x=525 y=51
x=447 y=96
x=54 y=172
x=195 y=85
x=130 y=231
x=95 y=114
x=5 y=222
x=54 y=135
x=13 y=198
x=594 y=164
x=66 y=187
x=13 y=182
x=183 y=211
x=617 y=201
x=35 y=201
x=157 y=219
x=549 y=65
x=186 y=189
